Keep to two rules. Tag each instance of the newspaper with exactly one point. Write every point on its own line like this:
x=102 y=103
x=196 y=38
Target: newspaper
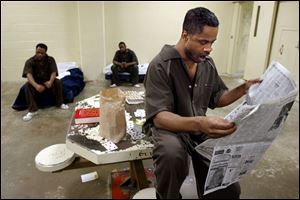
x=260 y=118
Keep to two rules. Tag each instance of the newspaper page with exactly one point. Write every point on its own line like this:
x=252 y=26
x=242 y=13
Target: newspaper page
x=260 y=118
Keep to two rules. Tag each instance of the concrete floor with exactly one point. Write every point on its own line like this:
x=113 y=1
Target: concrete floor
x=276 y=176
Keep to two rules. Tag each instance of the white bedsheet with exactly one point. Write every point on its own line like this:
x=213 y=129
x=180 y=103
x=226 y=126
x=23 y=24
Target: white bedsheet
x=63 y=68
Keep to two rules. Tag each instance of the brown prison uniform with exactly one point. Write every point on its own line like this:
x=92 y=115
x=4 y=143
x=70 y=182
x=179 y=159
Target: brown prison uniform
x=127 y=56
x=41 y=73
x=169 y=88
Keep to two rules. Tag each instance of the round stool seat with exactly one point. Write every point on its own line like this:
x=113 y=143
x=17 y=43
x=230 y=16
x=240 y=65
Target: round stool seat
x=53 y=158
x=146 y=193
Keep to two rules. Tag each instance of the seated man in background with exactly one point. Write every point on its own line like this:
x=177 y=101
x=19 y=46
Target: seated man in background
x=41 y=71
x=125 y=60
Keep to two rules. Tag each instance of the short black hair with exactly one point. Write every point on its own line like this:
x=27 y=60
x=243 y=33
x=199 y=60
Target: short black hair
x=196 y=18
x=41 y=45
x=122 y=43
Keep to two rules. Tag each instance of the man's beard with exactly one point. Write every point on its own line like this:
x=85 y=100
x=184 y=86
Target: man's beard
x=195 y=58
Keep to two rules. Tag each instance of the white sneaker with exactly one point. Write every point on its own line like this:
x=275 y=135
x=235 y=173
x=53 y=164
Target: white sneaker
x=64 y=107
x=137 y=85
x=29 y=116
x=113 y=85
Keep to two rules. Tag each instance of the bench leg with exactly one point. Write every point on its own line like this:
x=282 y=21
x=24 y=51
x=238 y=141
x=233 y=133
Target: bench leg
x=137 y=176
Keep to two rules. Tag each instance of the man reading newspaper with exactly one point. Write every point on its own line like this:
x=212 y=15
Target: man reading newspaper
x=181 y=83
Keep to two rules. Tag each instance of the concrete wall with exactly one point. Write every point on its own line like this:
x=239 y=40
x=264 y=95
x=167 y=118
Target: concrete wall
x=91 y=38
x=24 y=24
x=147 y=26
x=89 y=32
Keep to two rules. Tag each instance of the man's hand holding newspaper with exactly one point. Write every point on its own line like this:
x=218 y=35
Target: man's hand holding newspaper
x=259 y=118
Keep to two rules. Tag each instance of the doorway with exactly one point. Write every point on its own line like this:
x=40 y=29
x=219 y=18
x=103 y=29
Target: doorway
x=239 y=38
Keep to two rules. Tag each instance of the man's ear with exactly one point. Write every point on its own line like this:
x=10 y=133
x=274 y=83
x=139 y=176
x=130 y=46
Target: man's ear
x=184 y=35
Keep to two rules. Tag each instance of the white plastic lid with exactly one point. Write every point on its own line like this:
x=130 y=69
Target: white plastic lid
x=54 y=157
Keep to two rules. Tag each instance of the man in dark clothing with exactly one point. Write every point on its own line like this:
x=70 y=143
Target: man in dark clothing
x=41 y=71
x=125 y=60
x=181 y=83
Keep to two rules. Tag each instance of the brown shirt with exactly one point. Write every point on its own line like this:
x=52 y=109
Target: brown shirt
x=41 y=72
x=127 y=56
x=169 y=87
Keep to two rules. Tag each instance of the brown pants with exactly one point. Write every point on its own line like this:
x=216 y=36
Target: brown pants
x=132 y=69
x=31 y=94
x=171 y=166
